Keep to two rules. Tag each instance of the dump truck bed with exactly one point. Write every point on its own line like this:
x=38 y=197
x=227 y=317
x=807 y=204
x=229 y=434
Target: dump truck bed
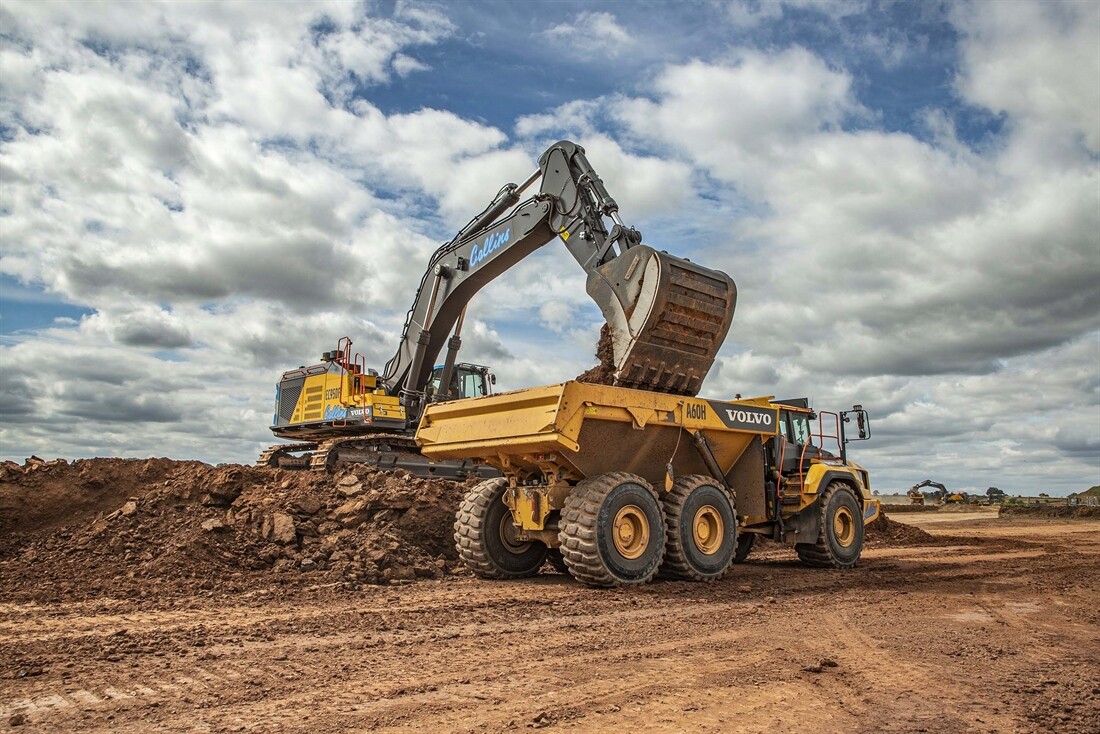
x=581 y=430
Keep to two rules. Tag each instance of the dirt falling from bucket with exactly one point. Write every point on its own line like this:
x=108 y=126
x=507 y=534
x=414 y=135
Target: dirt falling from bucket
x=604 y=372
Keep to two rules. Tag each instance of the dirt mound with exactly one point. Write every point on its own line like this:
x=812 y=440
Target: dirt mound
x=127 y=527
x=93 y=525
x=884 y=531
x=604 y=372
x=1058 y=511
x=40 y=494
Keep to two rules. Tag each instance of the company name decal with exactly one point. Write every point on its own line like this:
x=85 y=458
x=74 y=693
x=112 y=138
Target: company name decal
x=746 y=417
x=491 y=244
x=340 y=412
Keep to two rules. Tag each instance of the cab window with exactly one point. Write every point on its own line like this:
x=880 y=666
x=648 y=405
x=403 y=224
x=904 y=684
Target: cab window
x=800 y=426
x=473 y=384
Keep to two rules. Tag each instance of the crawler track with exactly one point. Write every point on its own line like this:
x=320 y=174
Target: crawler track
x=387 y=451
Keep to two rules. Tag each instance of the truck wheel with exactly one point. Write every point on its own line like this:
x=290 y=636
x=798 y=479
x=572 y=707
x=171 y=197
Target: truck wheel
x=612 y=530
x=485 y=536
x=744 y=546
x=840 y=532
x=702 y=530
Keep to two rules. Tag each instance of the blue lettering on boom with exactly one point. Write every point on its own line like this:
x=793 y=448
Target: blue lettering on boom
x=491 y=244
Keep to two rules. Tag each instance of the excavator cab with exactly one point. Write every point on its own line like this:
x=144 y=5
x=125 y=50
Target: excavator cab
x=468 y=381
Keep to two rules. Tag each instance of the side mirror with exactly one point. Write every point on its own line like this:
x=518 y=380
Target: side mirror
x=863 y=422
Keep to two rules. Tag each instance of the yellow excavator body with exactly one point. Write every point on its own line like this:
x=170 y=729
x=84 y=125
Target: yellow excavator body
x=328 y=400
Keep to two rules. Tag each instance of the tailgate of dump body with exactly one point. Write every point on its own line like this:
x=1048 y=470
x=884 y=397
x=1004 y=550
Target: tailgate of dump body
x=592 y=429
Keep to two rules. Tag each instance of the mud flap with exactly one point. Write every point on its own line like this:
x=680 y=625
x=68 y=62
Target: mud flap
x=668 y=318
x=804 y=526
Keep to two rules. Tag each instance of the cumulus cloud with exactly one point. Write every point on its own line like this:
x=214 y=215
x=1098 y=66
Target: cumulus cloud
x=1011 y=67
x=228 y=193
x=593 y=32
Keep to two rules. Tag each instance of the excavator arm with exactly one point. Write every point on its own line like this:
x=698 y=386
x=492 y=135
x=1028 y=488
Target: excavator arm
x=668 y=317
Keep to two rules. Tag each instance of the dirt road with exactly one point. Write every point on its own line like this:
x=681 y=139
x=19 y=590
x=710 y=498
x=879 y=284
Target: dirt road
x=992 y=629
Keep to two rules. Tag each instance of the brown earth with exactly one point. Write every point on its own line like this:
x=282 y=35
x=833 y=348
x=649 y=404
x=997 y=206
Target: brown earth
x=142 y=527
x=1053 y=511
x=189 y=610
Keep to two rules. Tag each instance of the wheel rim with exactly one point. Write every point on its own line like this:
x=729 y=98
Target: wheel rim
x=630 y=532
x=844 y=527
x=707 y=529
x=508 y=533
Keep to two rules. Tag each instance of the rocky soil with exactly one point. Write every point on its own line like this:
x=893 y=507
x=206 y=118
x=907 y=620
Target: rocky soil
x=141 y=526
x=991 y=628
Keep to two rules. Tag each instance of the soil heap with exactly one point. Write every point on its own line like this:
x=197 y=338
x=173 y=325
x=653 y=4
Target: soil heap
x=130 y=527
x=884 y=531
x=94 y=525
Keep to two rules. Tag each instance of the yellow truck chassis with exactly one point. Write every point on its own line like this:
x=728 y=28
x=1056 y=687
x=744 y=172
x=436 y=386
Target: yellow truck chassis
x=615 y=484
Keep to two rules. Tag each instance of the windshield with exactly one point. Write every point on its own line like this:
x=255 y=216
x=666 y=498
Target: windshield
x=800 y=426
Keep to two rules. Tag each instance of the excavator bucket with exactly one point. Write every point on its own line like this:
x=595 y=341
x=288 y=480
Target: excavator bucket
x=667 y=317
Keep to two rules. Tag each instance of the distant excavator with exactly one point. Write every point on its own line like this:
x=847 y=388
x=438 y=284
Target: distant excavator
x=941 y=495
x=916 y=497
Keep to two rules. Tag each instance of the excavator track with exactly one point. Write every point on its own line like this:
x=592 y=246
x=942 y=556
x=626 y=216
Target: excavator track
x=386 y=451
x=280 y=455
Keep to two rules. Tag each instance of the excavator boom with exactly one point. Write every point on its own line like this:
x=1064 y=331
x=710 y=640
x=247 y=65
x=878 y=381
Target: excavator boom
x=667 y=316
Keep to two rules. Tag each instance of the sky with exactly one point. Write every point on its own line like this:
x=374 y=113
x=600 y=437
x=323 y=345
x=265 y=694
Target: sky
x=195 y=197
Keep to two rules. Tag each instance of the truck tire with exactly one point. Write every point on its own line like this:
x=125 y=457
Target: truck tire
x=702 y=530
x=744 y=546
x=612 y=530
x=484 y=536
x=840 y=530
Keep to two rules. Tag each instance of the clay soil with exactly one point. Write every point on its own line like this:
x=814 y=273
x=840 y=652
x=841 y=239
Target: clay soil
x=174 y=597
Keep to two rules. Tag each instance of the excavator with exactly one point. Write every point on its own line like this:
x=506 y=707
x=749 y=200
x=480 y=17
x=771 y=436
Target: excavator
x=666 y=317
x=942 y=495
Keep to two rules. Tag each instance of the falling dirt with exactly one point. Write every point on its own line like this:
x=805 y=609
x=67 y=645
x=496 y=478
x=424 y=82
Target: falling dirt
x=604 y=372
x=163 y=596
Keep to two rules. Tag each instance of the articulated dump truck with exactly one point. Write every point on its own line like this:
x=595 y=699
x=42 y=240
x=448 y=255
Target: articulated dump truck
x=617 y=485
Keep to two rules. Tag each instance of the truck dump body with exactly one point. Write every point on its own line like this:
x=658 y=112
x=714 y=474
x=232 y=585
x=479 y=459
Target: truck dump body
x=577 y=430
x=615 y=485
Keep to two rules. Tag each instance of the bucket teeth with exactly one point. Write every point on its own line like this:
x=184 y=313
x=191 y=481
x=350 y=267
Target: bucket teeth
x=668 y=318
